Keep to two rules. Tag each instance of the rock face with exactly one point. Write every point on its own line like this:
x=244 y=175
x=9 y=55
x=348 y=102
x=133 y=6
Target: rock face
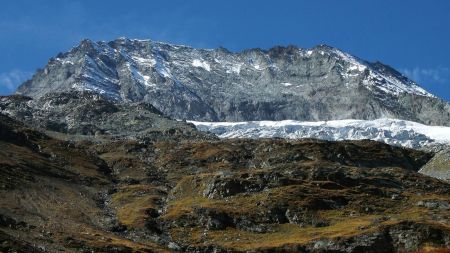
x=322 y=83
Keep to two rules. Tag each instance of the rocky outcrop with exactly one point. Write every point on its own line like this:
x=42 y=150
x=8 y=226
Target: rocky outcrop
x=439 y=166
x=85 y=113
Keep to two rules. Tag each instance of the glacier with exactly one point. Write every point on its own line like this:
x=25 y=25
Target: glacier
x=391 y=131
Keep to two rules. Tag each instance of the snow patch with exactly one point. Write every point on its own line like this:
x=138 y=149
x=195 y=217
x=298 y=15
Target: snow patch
x=160 y=67
x=201 y=64
x=357 y=67
x=64 y=61
x=236 y=68
x=144 y=61
x=138 y=76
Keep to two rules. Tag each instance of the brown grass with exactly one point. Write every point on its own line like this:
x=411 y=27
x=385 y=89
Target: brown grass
x=283 y=234
x=133 y=202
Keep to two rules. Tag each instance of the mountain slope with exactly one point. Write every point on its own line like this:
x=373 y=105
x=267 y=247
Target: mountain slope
x=128 y=195
x=322 y=83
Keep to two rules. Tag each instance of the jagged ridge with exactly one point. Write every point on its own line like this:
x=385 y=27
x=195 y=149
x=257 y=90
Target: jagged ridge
x=322 y=83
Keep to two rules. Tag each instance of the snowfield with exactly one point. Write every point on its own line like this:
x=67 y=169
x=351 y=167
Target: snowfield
x=391 y=131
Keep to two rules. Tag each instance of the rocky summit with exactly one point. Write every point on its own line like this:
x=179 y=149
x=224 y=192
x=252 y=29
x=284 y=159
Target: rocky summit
x=96 y=154
x=321 y=83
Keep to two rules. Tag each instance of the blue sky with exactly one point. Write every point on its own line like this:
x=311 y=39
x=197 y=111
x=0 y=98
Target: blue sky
x=412 y=36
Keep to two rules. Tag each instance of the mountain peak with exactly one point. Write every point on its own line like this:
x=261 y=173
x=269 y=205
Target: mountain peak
x=324 y=47
x=321 y=83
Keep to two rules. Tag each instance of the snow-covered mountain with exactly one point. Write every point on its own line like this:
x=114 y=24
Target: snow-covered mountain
x=391 y=131
x=320 y=83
